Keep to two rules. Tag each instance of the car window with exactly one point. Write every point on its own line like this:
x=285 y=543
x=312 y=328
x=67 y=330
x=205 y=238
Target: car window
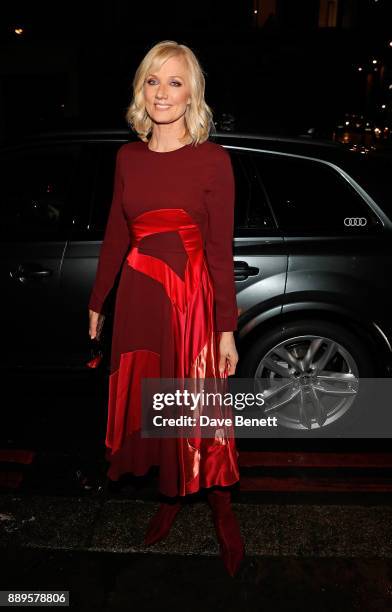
x=312 y=197
x=36 y=192
x=251 y=207
x=373 y=172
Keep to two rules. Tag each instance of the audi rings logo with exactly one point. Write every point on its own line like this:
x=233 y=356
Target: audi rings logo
x=355 y=221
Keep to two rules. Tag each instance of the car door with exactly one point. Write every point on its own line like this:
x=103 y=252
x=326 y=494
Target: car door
x=260 y=259
x=37 y=189
x=83 y=248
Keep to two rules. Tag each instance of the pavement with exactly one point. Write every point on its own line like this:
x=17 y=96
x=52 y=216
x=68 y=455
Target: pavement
x=299 y=556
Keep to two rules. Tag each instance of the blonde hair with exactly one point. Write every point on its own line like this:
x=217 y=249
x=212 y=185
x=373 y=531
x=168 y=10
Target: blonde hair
x=198 y=115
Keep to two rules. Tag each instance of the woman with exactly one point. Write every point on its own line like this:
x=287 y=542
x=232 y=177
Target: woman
x=170 y=231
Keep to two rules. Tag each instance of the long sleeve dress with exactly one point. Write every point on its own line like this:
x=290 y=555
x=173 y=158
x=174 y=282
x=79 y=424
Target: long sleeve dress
x=169 y=236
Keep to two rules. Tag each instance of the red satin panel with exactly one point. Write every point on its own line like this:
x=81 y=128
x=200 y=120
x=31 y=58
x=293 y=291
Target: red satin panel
x=201 y=462
x=124 y=389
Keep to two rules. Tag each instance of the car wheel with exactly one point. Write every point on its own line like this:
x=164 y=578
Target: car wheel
x=310 y=372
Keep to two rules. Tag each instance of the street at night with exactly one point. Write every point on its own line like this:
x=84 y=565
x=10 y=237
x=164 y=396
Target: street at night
x=196 y=192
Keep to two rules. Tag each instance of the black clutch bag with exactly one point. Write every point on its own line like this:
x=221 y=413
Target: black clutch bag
x=97 y=349
x=96 y=353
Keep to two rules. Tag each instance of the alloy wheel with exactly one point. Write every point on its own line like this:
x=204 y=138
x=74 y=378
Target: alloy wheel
x=308 y=382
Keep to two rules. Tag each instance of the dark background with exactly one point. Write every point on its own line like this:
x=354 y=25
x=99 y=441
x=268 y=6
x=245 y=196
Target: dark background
x=278 y=66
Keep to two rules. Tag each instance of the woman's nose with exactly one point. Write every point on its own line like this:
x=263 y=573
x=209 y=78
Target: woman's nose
x=162 y=93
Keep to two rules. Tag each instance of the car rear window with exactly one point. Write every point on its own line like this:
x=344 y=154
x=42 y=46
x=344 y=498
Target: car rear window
x=374 y=174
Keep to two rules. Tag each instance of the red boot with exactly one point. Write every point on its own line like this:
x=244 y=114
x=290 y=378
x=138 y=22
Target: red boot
x=161 y=523
x=232 y=547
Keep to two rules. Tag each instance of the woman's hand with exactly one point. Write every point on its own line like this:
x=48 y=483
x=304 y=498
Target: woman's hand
x=95 y=324
x=227 y=353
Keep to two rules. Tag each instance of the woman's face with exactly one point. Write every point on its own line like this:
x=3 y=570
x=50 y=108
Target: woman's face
x=167 y=92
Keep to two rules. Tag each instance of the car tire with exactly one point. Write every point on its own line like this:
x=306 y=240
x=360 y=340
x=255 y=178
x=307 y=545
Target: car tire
x=353 y=344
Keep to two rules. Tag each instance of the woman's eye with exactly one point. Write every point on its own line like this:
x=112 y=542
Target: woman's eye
x=150 y=81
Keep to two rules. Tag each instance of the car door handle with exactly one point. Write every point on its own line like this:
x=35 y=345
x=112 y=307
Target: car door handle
x=242 y=270
x=25 y=272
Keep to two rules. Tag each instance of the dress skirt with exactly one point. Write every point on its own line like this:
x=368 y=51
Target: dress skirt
x=164 y=328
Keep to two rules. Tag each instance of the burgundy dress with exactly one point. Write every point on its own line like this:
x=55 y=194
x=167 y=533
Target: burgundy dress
x=169 y=235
